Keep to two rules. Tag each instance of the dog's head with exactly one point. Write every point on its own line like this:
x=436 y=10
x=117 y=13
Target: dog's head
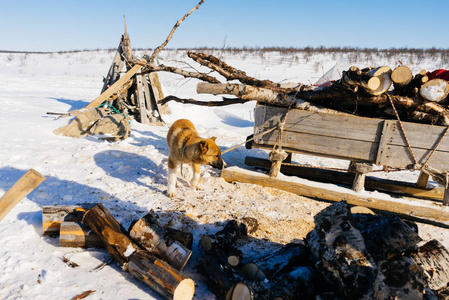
x=211 y=153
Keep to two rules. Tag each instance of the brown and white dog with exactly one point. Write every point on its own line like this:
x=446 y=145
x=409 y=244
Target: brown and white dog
x=186 y=146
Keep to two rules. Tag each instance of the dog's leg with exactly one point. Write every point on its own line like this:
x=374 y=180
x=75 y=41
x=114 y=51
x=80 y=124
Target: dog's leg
x=172 y=178
x=195 y=181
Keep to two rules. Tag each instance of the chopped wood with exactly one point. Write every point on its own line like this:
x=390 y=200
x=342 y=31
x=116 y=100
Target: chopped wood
x=76 y=234
x=114 y=237
x=386 y=235
x=54 y=215
x=401 y=76
x=160 y=276
x=150 y=235
x=343 y=256
x=279 y=262
x=83 y=295
x=433 y=257
x=435 y=90
x=20 y=189
x=399 y=278
x=225 y=238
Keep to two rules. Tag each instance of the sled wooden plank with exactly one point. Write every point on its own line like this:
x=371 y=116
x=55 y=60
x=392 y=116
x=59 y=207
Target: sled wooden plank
x=141 y=96
x=436 y=213
x=113 y=88
x=25 y=185
x=345 y=178
x=116 y=67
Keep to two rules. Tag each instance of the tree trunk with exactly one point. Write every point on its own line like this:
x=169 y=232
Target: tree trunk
x=435 y=90
x=75 y=234
x=25 y=185
x=111 y=233
x=53 y=216
x=150 y=235
x=160 y=276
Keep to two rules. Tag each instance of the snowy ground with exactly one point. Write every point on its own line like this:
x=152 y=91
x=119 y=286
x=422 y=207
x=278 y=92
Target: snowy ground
x=129 y=177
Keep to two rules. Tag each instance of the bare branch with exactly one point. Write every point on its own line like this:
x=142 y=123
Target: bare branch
x=201 y=76
x=225 y=101
x=178 y=23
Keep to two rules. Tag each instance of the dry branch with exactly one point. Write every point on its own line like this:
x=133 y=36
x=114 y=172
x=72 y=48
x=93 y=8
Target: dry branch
x=225 y=101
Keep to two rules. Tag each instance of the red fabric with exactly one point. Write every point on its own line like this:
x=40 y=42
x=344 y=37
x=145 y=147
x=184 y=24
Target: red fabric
x=440 y=73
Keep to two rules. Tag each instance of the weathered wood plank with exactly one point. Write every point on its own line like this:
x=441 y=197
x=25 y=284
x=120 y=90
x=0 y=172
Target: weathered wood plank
x=434 y=212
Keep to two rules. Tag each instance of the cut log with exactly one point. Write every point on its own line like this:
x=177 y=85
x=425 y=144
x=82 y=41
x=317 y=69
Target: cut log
x=111 y=233
x=25 y=185
x=225 y=281
x=150 y=235
x=76 y=234
x=433 y=257
x=160 y=276
x=53 y=216
x=401 y=76
x=437 y=214
x=435 y=90
x=225 y=238
x=279 y=262
x=386 y=235
x=399 y=278
x=343 y=257
x=184 y=237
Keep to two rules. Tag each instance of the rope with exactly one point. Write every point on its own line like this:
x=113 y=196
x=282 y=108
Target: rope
x=403 y=132
x=249 y=140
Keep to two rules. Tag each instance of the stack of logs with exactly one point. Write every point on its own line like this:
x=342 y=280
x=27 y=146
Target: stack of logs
x=365 y=92
x=351 y=254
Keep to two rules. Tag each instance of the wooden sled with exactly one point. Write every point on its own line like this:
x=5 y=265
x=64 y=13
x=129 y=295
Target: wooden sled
x=362 y=141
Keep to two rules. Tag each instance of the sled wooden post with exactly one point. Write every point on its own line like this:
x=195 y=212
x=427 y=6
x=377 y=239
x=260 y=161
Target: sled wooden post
x=360 y=169
x=25 y=185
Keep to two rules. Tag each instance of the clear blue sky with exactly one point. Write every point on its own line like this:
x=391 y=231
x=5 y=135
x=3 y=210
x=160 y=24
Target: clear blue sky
x=54 y=25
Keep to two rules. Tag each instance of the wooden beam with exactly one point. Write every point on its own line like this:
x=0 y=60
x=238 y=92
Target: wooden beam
x=113 y=88
x=434 y=212
x=25 y=185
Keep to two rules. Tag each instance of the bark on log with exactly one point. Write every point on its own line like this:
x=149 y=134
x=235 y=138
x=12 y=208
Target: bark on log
x=25 y=185
x=399 y=278
x=76 y=234
x=279 y=262
x=150 y=235
x=53 y=216
x=225 y=238
x=184 y=237
x=386 y=235
x=160 y=276
x=343 y=257
x=433 y=257
x=111 y=233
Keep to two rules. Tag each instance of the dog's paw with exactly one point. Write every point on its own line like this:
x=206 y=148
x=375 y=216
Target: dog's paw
x=199 y=187
x=171 y=194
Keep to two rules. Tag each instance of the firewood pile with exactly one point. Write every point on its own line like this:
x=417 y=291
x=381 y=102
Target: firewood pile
x=372 y=92
x=351 y=254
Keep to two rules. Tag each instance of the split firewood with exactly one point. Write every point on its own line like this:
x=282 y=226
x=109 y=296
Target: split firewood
x=342 y=255
x=433 y=257
x=281 y=261
x=355 y=78
x=399 y=278
x=54 y=215
x=118 y=244
x=386 y=235
x=76 y=234
x=225 y=281
x=225 y=238
x=25 y=185
x=150 y=235
x=160 y=276
x=435 y=90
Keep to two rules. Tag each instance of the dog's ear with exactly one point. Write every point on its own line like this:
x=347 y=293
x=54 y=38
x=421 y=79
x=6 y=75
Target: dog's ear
x=213 y=138
x=204 y=146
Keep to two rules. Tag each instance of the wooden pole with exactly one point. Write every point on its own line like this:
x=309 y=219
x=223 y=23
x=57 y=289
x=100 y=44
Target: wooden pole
x=25 y=185
x=430 y=212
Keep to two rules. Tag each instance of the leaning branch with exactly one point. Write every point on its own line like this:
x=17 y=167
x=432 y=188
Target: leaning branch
x=178 y=23
x=225 y=101
x=186 y=74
